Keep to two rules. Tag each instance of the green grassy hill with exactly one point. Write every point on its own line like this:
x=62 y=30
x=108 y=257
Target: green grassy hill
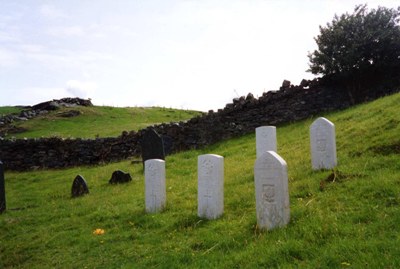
x=4 y=110
x=97 y=121
x=346 y=218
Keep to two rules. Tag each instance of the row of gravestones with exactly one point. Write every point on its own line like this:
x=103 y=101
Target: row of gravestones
x=322 y=138
x=322 y=143
x=270 y=173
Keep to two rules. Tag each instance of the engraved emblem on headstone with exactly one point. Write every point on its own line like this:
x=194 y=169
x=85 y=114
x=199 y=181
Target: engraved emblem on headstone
x=272 y=194
x=268 y=193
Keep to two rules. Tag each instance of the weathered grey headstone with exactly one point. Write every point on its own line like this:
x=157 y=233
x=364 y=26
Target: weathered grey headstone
x=323 y=144
x=155 y=188
x=265 y=139
x=152 y=146
x=210 y=186
x=2 y=189
x=79 y=187
x=119 y=176
x=272 y=192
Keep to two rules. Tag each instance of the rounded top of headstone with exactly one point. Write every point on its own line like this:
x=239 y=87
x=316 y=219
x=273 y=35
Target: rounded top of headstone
x=210 y=156
x=266 y=127
x=322 y=121
x=155 y=160
x=270 y=157
x=79 y=177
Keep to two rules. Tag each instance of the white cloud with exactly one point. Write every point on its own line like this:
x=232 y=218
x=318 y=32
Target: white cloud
x=7 y=37
x=51 y=12
x=66 y=31
x=8 y=58
x=195 y=54
x=82 y=89
x=33 y=95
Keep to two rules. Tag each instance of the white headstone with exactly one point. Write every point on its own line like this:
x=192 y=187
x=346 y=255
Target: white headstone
x=272 y=192
x=155 y=190
x=323 y=144
x=210 y=186
x=265 y=139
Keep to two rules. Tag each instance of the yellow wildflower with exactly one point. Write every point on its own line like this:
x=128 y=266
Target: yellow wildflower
x=98 y=232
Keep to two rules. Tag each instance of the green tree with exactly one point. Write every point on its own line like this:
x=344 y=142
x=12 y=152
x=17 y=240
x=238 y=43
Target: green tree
x=361 y=49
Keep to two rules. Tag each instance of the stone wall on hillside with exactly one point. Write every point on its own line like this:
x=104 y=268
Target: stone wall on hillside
x=242 y=116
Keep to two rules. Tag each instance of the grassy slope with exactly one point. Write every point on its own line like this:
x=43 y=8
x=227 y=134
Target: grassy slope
x=4 y=110
x=350 y=223
x=100 y=121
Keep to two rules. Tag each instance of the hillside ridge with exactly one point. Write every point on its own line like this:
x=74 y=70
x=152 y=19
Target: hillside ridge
x=289 y=104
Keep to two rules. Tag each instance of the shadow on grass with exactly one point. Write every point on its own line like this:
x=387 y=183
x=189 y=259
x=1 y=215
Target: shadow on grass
x=337 y=176
x=189 y=223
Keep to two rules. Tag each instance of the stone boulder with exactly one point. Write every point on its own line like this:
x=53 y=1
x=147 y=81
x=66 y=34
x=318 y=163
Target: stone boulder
x=119 y=176
x=286 y=84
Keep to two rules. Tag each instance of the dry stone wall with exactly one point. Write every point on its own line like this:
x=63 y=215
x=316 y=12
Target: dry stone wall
x=243 y=115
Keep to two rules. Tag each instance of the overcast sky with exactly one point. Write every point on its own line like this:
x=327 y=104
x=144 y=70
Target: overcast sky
x=187 y=54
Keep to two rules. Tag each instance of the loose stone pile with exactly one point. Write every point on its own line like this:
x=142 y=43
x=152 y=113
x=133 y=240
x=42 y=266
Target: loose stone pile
x=30 y=112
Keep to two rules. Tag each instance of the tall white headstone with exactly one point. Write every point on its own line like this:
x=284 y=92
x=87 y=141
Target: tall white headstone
x=323 y=144
x=272 y=192
x=155 y=189
x=265 y=139
x=210 y=186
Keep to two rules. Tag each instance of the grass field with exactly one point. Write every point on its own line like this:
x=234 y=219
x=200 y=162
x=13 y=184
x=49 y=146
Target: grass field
x=351 y=222
x=4 y=110
x=99 y=121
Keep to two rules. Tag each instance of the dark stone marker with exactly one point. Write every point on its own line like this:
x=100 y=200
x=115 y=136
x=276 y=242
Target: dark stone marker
x=119 y=176
x=152 y=146
x=2 y=190
x=167 y=143
x=79 y=187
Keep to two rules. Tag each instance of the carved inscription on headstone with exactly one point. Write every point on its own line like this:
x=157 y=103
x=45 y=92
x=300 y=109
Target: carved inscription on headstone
x=2 y=190
x=323 y=144
x=265 y=139
x=155 y=188
x=272 y=193
x=210 y=186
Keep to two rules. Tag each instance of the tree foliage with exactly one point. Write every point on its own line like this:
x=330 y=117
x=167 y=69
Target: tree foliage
x=359 y=47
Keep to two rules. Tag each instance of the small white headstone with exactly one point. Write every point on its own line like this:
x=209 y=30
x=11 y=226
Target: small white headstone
x=265 y=139
x=272 y=192
x=323 y=144
x=155 y=190
x=210 y=186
